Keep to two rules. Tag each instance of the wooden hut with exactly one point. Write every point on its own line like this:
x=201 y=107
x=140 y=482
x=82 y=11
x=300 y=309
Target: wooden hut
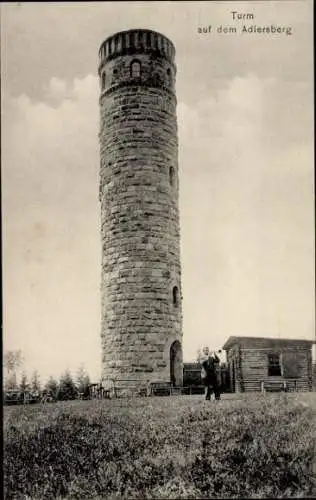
x=266 y=364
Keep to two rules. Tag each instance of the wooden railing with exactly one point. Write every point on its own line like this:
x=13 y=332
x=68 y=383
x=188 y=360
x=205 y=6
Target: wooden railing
x=97 y=391
x=132 y=387
x=167 y=389
x=279 y=385
x=135 y=387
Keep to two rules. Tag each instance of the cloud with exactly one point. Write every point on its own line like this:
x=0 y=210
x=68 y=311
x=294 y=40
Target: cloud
x=50 y=204
x=247 y=210
x=57 y=90
x=53 y=141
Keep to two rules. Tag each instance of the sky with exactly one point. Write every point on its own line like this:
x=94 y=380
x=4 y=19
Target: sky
x=246 y=160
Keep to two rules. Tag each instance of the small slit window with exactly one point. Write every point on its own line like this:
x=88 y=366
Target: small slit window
x=171 y=176
x=175 y=296
x=169 y=76
x=274 y=365
x=135 y=69
x=103 y=77
x=114 y=75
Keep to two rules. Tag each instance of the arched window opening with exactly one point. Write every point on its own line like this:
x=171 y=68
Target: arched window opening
x=176 y=364
x=171 y=176
x=140 y=40
x=169 y=76
x=103 y=81
x=175 y=296
x=135 y=69
x=114 y=76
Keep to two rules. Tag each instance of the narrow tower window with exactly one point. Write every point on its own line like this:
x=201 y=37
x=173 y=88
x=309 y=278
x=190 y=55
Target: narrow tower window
x=175 y=296
x=169 y=76
x=171 y=176
x=114 y=76
x=103 y=80
x=135 y=69
x=140 y=40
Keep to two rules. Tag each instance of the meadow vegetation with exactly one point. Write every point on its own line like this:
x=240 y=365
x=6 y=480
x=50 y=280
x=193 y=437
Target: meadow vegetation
x=245 y=446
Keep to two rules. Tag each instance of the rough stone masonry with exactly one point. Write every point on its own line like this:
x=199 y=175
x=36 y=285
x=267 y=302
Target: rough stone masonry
x=141 y=328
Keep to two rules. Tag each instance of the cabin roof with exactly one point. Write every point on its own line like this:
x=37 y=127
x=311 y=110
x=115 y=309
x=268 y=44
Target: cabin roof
x=265 y=342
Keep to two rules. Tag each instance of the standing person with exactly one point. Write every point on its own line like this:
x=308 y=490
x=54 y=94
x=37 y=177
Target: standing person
x=210 y=363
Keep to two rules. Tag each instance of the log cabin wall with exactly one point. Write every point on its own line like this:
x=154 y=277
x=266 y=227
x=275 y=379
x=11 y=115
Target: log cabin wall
x=248 y=362
x=255 y=368
x=230 y=366
x=235 y=369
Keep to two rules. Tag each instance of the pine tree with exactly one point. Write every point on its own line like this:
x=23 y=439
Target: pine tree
x=51 y=387
x=83 y=382
x=67 y=389
x=12 y=360
x=11 y=382
x=35 y=382
x=23 y=383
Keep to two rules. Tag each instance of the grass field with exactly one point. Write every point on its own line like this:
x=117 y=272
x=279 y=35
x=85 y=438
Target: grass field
x=245 y=446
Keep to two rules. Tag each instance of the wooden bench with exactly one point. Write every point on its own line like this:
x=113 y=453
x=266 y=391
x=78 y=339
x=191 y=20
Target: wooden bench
x=176 y=391
x=130 y=387
x=167 y=389
x=13 y=398
x=292 y=385
x=20 y=398
x=97 y=391
x=273 y=386
x=196 y=389
x=160 y=388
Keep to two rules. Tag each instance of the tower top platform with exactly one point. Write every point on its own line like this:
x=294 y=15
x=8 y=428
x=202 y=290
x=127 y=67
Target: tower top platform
x=137 y=41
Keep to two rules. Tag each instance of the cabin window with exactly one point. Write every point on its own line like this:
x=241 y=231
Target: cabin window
x=171 y=176
x=103 y=80
x=135 y=69
x=274 y=365
x=175 y=296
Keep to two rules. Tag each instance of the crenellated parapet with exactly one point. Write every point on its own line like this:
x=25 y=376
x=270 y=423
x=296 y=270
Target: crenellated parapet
x=137 y=57
x=137 y=41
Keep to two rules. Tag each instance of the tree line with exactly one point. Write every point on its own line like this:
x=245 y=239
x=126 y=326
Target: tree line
x=62 y=389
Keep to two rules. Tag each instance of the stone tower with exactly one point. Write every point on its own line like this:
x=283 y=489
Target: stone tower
x=141 y=328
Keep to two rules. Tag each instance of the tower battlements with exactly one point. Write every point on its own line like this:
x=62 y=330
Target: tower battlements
x=134 y=58
x=137 y=41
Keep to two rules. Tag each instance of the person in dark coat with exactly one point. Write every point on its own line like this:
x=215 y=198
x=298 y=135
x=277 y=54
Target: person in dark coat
x=210 y=366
